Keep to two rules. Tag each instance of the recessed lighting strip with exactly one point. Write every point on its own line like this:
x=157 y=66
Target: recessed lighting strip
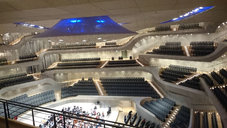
x=30 y=25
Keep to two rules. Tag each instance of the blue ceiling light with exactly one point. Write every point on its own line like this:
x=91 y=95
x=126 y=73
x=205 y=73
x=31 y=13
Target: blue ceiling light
x=75 y=21
x=189 y=14
x=100 y=21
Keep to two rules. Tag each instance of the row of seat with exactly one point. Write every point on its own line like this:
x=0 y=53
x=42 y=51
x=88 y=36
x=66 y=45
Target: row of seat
x=174 y=73
x=128 y=87
x=202 y=47
x=201 y=52
x=83 y=64
x=111 y=43
x=205 y=43
x=81 y=59
x=6 y=82
x=163 y=28
x=35 y=100
x=26 y=60
x=95 y=64
x=71 y=47
x=183 y=68
x=122 y=79
x=171 y=44
x=205 y=122
x=122 y=63
x=134 y=120
x=161 y=108
x=12 y=76
x=182 y=118
x=74 y=45
x=78 y=63
x=82 y=87
x=189 y=26
x=28 y=56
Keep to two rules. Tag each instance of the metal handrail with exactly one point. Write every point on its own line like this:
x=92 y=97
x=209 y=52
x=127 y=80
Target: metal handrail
x=57 y=112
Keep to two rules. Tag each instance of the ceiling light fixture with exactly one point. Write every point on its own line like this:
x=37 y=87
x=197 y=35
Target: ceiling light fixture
x=100 y=21
x=75 y=21
x=30 y=25
x=189 y=14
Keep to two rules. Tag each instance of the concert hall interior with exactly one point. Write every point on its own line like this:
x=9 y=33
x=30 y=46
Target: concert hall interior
x=113 y=63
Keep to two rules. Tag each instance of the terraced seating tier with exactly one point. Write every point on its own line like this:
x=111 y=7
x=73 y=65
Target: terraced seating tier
x=170 y=48
x=161 y=108
x=35 y=100
x=202 y=48
x=208 y=80
x=128 y=87
x=182 y=118
x=223 y=72
x=217 y=78
x=15 y=79
x=192 y=83
x=82 y=87
x=205 y=120
x=221 y=96
x=174 y=73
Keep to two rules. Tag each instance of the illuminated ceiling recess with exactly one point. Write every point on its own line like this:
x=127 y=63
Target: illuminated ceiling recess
x=30 y=25
x=189 y=14
x=85 y=26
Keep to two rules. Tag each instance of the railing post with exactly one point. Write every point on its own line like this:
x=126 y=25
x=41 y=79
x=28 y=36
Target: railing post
x=33 y=118
x=7 y=108
x=6 y=118
x=55 y=126
x=64 y=120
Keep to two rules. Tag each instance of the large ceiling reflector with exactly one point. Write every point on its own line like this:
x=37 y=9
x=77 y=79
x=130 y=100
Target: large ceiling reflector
x=85 y=26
